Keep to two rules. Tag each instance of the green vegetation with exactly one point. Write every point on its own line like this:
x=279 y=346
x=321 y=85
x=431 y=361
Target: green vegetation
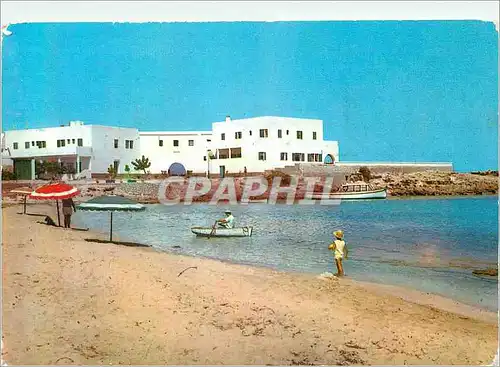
x=141 y=164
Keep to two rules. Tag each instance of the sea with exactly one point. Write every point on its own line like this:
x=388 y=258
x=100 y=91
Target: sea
x=431 y=245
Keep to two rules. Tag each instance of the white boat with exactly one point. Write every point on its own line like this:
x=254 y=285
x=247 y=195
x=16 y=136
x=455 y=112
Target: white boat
x=354 y=191
x=222 y=232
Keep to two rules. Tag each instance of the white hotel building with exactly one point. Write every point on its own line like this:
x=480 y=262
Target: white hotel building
x=257 y=144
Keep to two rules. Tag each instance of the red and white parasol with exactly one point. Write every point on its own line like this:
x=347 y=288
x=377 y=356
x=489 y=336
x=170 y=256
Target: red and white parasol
x=54 y=191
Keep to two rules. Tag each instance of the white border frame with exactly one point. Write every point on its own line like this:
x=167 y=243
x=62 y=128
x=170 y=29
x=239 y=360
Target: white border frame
x=205 y=11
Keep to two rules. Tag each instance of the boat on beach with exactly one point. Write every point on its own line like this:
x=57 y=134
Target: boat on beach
x=354 y=191
x=222 y=232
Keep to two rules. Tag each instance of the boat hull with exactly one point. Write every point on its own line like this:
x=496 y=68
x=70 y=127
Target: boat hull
x=222 y=232
x=373 y=194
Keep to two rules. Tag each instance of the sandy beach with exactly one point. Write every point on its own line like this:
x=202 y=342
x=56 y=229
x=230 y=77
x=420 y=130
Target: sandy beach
x=68 y=301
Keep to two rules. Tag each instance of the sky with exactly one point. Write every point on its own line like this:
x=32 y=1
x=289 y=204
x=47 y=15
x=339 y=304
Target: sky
x=386 y=90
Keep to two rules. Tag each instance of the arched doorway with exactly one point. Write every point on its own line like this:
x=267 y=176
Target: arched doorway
x=176 y=169
x=329 y=159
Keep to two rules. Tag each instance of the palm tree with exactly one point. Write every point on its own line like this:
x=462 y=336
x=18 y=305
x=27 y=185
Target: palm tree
x=141 y=164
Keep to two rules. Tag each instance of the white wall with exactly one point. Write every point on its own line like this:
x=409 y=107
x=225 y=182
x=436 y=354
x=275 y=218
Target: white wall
x=161 y=157
x=104 y=153
x=98 y=143
x=273 y=146
x=50 y=136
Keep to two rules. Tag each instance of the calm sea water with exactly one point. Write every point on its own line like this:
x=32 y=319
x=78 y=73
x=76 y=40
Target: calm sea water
x=427 y=244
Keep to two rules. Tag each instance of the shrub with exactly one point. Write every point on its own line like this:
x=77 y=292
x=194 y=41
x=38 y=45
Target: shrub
x=141 y=164
x=365 y=172
x=111 y=171
x=8 y=175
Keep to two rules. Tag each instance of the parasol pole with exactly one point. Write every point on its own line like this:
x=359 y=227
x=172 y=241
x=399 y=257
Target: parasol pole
x=58 y=217
x=24 y=211
x=111 y=229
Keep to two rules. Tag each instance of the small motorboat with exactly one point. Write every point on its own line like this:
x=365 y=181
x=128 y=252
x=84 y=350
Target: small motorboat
x=222 y=232
x=352 y=191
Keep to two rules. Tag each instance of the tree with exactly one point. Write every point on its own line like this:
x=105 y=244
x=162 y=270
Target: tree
x=111 y=171
x=365 y=172
x=141 y=164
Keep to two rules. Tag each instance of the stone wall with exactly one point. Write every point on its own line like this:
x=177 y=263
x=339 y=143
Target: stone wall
x=379 y=168
x=344 y=169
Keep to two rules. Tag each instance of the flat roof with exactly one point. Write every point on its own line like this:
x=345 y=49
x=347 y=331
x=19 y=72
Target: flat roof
x=185 y=133
x=249 y=119
x=69 y=126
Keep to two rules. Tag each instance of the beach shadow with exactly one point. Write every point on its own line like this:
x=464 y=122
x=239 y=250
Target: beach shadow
x=47 y=221
x=123 y=243
x=79 y=229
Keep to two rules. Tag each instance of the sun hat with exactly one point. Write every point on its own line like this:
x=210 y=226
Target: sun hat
x=227 y=211
x=338 y=234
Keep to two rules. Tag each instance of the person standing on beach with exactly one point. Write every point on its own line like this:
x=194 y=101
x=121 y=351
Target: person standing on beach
x=68 y=206
x=339 y=248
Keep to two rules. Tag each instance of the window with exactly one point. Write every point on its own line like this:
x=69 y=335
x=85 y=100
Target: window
x=129 y=144
x=299 y=135
x=205 y=158
x=191 y=143
x=32 y=143
x=223 y=153
x=15 y=146
x=235 y=152
x=237 y=135
x=222 y=136
x=310 y=157
x=250 y=132
x=26 y=145
x=176 y=143
x=69 y=141
x=298 y=157
x=279 y=133
x=72 y=141
x=41 y=144
x=160 y=143
x=61 y=143
x=116 y=143
x=263 y=133
x=288 y=132
x=314 y=135
x=262 y=156
x=284 y=156
x=80 y=142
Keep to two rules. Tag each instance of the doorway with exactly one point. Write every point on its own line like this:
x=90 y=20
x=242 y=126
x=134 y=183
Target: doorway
x=222 y=171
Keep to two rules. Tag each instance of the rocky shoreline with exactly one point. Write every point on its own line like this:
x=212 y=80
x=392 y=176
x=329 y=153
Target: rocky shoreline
x=431 y=183
x=439 y=183
x=397 y=185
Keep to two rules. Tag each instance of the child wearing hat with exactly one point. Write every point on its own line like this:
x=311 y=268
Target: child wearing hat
x=339 y=249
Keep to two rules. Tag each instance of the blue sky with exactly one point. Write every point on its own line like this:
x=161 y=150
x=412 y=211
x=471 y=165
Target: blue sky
x=387 y=91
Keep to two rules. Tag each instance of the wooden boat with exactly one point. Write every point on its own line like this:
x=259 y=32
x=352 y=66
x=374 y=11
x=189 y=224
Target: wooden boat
x=354 y=191
x=222 y=232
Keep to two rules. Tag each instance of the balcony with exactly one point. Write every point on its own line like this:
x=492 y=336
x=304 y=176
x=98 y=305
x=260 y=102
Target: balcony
x=35 y=152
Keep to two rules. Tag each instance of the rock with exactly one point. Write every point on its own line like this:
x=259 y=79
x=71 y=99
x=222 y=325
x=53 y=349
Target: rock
x=492 y=272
